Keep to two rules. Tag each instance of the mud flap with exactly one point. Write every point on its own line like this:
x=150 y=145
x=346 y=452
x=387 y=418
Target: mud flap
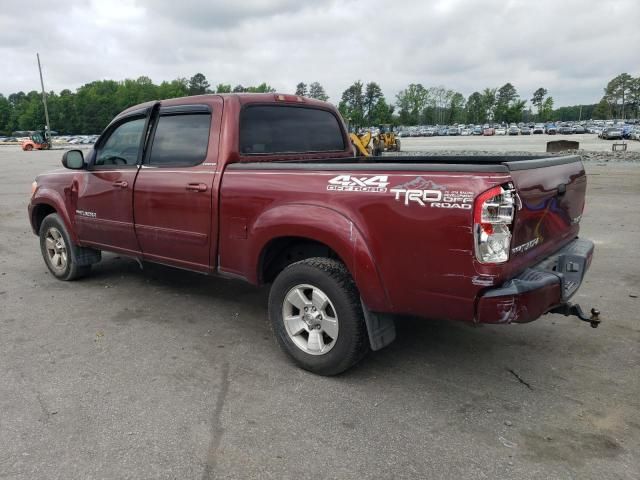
x=381 y=328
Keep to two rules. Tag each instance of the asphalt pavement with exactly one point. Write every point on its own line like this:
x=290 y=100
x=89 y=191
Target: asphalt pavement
x=162 y=373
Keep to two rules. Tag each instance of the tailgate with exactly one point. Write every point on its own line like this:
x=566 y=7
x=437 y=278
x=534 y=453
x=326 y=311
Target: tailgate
x=552 y=195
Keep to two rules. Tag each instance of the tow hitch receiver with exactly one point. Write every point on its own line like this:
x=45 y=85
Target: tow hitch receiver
x=568 y=309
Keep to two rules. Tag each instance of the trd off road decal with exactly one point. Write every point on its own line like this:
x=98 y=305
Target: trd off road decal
x=426 y=192
x=357 y=183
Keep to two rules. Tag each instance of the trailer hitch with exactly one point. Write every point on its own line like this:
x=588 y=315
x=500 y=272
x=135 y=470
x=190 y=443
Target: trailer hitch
x=568 y=309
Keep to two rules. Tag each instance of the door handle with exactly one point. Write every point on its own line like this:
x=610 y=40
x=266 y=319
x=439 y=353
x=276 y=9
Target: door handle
x=121 y=184
x=197 y=187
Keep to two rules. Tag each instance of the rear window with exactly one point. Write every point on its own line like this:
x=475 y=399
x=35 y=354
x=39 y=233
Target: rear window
x=280 y=129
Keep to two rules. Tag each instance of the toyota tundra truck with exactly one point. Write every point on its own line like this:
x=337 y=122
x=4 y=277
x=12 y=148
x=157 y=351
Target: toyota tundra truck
x=266 y=188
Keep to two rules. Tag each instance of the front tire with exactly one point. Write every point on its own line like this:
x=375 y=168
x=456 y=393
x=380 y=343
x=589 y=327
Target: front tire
x=59 y=253
x=316 y=316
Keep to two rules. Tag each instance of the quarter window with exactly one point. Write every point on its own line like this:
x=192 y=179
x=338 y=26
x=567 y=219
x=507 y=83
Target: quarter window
x=122 y=145
x=181 y=139
x=280 y=129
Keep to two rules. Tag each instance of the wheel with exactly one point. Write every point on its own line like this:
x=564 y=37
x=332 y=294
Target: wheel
x=397 y=144
x=316 y=316
x=28 y=148
x=60 y=255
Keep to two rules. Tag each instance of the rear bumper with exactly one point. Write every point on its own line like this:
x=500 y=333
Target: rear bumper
x=538 y=289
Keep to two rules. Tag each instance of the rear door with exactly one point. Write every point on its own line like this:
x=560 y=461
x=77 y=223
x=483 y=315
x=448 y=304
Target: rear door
x=104 y=210
x=173 y=200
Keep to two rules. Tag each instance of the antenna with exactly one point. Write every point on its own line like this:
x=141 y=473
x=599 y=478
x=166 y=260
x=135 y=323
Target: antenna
x=47 y=133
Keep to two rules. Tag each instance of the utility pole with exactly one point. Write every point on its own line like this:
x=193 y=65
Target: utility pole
x=47 y=134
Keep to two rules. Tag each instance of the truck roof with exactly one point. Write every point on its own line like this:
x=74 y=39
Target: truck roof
x=242 y=98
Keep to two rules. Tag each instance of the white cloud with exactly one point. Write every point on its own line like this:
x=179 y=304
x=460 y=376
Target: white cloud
x=572 y=47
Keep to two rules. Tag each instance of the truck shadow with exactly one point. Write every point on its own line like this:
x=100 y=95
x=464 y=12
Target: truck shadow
x=421 y=345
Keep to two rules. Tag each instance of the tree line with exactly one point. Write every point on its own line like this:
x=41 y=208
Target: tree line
x=90 y=108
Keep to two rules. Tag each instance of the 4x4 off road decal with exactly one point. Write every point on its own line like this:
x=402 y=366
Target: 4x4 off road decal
x=426 y=192
x=356 y=183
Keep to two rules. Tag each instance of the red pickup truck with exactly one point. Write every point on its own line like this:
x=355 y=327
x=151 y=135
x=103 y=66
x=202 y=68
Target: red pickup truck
x=266 y=188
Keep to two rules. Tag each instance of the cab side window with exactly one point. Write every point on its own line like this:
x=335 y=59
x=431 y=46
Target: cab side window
x=181 y=140
x=122 y=145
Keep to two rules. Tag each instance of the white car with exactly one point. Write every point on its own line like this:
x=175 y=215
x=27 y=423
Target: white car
x=501 y=131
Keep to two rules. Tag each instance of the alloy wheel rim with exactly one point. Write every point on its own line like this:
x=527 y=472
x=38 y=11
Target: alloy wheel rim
x=56 y=249
x=310 y=319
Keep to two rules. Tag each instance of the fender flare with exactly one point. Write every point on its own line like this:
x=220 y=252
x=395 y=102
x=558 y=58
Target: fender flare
x=52 y=198
x=329 y=227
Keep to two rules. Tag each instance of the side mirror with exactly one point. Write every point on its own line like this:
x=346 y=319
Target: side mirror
x=73 y=159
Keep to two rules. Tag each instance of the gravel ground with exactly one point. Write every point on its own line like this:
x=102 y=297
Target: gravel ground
x=161 y=373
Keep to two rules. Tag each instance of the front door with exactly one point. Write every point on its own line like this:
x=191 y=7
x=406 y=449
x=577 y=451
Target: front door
x=104 y=212
x=173 y=200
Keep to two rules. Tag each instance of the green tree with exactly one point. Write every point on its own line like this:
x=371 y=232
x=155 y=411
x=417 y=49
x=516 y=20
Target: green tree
x=411 y=103
x=198 y=84
x=352 y=105
x=489 y=103
x=317 y=91
x=301 y=89
x=372 y=95
x=456 y=108
x=538 y=99
x=475 y=108
x=602 y=110
x=262 y=88
x=618 y=91
x=509 y=107
x=5 y=115
x=173 y=89
x=223 y=88
x=545 y=112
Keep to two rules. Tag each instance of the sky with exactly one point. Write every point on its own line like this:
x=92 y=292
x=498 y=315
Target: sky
x=571 y=48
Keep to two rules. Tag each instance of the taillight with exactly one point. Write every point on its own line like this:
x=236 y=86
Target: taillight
x=493 y=219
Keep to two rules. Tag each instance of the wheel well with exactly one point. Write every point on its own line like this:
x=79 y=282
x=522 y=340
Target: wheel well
x=281 y=252
x=39 y=214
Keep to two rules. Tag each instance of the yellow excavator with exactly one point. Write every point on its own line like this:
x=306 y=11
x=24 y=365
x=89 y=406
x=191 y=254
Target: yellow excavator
x=387 y=139
x=368 y=145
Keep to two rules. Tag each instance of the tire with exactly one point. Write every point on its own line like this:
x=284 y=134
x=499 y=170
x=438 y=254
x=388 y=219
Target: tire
x=326 y=340
x=60 y=255
x=28 y=148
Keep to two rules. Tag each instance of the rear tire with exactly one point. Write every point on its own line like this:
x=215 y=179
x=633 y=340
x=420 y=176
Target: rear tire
x=28 y=148
x=332 y=335
x=59 y=253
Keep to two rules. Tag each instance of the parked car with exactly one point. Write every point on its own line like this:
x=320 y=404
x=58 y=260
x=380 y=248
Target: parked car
x=477 y=131
x=488 y=131
x=579 y=129
x=453 y=131
x=501 y=131
x=565 y=130
x=538 y=128
x=551 y=129
x=635 y=134
x=514 y=131
x=525 y=131
x=611 y=133
x=307 y=228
